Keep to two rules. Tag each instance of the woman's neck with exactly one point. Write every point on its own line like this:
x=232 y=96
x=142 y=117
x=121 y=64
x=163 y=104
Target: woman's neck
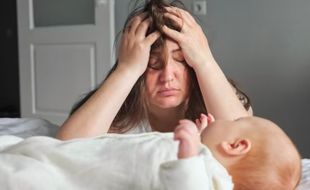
x=165 y=120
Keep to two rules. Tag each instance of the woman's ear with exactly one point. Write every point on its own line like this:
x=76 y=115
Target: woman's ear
x=236 y=148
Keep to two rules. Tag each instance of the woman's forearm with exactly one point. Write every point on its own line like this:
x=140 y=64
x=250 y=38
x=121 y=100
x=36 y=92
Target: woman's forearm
x=95 y=116
x=219 y=96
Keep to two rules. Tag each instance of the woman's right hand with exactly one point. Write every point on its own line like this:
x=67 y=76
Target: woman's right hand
x=134 y=50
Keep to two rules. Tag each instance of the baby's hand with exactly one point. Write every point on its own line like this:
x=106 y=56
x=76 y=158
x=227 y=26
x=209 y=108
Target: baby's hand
x=203 y=121
x=188 y=135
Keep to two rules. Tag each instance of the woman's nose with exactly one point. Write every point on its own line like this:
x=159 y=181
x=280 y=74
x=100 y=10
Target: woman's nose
x=167 y=72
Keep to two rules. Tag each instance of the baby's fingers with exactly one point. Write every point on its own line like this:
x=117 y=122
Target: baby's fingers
x=203 y=121
x=210 y=118
x=198 y=124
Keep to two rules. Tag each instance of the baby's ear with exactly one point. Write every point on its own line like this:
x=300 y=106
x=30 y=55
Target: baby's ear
x=237 y=147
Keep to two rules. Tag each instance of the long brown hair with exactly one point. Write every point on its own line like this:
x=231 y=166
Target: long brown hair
x=133 y=110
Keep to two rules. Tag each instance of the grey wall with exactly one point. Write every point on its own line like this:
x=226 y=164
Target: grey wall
x=265 y=46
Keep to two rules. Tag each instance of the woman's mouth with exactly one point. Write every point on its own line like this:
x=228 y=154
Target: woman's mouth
x=168 y=92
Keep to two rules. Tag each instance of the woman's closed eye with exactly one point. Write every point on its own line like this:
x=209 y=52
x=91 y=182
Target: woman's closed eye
x=178 y=57
x=181 y=60
x=155 y=63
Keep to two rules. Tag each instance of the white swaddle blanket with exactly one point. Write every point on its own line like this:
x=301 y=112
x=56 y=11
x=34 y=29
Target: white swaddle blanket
x=114 y=162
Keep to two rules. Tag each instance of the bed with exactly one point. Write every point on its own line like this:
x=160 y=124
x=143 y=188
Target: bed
x=17 y=129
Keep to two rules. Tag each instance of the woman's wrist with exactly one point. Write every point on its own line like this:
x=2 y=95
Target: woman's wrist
x=128 y=72
x=205 y=65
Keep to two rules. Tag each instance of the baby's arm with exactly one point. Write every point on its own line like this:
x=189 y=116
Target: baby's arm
x=189 y=135
x=190 y=173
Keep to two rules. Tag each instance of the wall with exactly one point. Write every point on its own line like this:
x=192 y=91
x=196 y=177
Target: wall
x=265 y=46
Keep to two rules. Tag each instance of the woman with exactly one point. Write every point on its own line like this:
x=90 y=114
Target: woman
x=165 y=72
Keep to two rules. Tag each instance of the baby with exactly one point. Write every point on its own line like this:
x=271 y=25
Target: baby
x=246 y=154
x=255 y=151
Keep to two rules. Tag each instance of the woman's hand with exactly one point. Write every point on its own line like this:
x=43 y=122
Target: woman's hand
x=219 y=98
x=187 y=133
x=134 y=51
x=191 y=38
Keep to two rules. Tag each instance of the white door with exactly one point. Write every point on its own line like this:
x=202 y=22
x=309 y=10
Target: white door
x=65 y=50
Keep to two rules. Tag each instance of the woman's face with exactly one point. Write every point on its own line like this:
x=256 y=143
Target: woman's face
x=168 y=86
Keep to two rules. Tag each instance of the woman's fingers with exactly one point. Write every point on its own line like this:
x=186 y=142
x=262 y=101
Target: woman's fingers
x=183 y=19
x=172 y=33
x=137 y=18
x=186 y=16
x=151 y=38
x=135 y=22
x=174 y=10
x=137 y=28
x=177 y=20
x=142 y=27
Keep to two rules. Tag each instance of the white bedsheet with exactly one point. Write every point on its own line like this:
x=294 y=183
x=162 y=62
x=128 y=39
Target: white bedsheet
x=305 y=177
x=27 y=127
x=136 y=162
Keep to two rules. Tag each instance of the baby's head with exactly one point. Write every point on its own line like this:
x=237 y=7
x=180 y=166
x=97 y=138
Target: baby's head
x=256 y=153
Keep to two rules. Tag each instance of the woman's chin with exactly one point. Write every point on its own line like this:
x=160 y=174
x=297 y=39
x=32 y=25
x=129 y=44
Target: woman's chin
x=167 y=103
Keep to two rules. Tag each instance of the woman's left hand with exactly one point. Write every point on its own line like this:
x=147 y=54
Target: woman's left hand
x=191 y=38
